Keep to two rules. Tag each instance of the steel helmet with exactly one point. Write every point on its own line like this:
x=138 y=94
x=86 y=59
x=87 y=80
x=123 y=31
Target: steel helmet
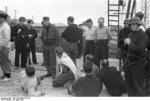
x=126 y=21
x=135 y=20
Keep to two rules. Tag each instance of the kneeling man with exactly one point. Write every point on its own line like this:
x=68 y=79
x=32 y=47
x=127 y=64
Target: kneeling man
x=65 y=70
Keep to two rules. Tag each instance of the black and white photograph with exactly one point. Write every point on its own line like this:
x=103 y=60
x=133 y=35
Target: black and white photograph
x=74 y=48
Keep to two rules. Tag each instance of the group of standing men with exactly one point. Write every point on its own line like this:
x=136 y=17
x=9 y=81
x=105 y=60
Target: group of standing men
x=72 y=38
x=24 y=37
x=97 y=40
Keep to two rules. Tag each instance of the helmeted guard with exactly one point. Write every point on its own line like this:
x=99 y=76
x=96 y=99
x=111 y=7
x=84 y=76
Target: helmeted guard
x=134 y=68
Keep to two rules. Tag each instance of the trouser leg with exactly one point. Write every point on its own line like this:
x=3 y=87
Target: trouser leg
x=97 y=56
x=129 y=82
x=72 y=50
x=52 y=61
x=17 y=55
x=33 y=54
x=134 y=77
x=62 y=79
x=89 y=48
x=147 y=85
x=24 y=54
x=47 y=60
x=138 y=79
x=44 y=55
x=5 y=64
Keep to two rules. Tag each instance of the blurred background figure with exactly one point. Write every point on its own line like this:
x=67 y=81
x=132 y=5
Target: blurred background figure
x=51 y=38
x=90 y=39
x=123 y=34
x=32 y=47
x=20 y=32
x=103 y=36
x=4 y=45
x=141 y=16
x=72 y=35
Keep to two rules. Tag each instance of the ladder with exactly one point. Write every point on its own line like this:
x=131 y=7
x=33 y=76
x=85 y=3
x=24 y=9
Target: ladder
x=113 y=24
x=113 y=15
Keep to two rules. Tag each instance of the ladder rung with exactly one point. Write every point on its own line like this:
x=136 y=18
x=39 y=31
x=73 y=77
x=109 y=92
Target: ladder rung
x=114 y=15
x=114 y=10
x=113 y=4
x=114 y=20
x=113 y=25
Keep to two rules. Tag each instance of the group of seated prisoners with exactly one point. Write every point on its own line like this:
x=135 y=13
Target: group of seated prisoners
x=88 y=84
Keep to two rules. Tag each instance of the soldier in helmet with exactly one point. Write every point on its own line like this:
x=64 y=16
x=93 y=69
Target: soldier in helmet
x=20 y=31
x=134 y=68
x=123 y=33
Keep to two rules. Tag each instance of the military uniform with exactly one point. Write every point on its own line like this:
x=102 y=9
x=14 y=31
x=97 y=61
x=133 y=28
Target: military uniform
x=134 y=67
x=147 y=68
x=21 y=43
x=50 y=37
x=32 y=46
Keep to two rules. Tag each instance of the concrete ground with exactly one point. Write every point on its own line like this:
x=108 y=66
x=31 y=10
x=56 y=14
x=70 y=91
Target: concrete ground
x=12 y=88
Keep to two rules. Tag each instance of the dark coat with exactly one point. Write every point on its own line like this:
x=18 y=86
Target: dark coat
x=112 y=80
x=34 y=36
x=139 y=42
x=123 y=33
x=20 y=34
x=50 y=35
x=72 y=33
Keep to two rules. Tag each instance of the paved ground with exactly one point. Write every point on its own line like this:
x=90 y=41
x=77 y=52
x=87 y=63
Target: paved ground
x=12 y=88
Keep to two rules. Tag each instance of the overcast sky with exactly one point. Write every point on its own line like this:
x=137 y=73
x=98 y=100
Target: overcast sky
x=57 y=10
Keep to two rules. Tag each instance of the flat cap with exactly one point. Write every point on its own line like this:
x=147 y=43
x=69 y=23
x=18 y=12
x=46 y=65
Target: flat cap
x=22 y=19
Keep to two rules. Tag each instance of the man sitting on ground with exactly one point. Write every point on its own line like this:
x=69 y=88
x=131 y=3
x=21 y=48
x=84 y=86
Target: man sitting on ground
x=65 y=70
x=30 y=82
x=95 y=69
x=89 y=85
x=112 y=79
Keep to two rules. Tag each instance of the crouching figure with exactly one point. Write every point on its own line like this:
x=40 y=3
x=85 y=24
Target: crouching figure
x=65 y=69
